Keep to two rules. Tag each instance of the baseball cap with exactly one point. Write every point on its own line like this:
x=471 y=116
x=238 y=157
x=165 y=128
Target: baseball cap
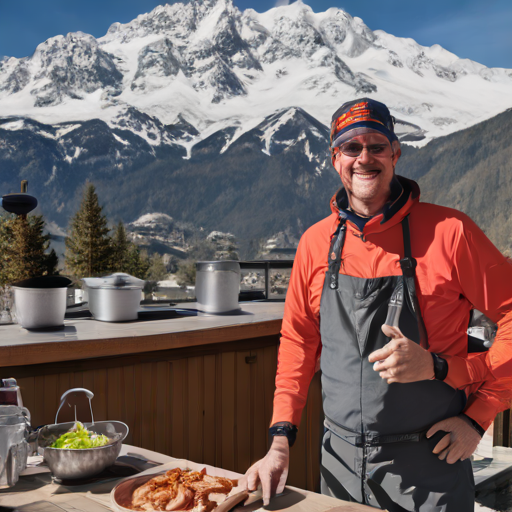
x=361 y=116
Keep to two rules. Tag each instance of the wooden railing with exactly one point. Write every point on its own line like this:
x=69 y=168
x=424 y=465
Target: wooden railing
x=502 y=429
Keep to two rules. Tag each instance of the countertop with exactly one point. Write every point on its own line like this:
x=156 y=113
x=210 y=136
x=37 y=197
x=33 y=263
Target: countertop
x=157 y=329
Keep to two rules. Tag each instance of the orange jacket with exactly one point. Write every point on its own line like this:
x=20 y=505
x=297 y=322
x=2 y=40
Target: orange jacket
x=458 y=268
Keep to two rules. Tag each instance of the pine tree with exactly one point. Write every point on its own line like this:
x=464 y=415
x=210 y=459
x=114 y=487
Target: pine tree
x=126 y=256
x=120 y=248
x=24 y=249
x=137 y=262
x=186 y=274
x=157 y=271
x=88 y=246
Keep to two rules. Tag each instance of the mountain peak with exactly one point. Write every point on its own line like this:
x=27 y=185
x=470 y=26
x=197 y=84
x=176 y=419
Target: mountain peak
x=218 y=67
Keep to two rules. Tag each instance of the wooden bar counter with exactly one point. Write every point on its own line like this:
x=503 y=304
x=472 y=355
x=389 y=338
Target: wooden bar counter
x=187 y=384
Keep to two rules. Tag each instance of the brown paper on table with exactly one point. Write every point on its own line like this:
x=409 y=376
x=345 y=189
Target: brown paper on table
x=96 y=497
x=292 y=500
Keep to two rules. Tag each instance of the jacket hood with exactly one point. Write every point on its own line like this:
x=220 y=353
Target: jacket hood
x=404 y=192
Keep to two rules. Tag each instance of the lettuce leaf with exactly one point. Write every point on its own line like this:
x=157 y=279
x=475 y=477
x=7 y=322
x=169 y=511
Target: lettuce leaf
x=79 y=437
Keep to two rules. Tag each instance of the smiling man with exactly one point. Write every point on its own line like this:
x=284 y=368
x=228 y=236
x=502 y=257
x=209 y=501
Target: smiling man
x=381 y=291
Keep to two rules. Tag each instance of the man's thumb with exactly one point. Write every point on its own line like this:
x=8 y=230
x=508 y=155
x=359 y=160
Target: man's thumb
x=392 y=332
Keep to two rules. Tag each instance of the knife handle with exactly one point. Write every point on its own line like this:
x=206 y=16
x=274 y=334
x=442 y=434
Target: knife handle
x=232 y=501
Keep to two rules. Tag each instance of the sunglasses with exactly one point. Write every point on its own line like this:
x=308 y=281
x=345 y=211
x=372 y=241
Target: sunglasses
x=354 y=149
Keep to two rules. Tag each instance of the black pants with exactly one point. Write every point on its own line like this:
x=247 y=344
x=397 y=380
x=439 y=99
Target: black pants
x=411 y=475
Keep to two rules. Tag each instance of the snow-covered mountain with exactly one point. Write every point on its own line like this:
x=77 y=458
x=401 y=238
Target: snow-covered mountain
x=219 y=118
x=209 y=67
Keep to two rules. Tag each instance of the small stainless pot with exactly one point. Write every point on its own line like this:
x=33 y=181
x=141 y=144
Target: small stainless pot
x=40 y=307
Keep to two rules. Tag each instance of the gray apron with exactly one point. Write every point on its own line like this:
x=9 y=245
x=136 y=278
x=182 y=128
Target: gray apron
x=375 y=450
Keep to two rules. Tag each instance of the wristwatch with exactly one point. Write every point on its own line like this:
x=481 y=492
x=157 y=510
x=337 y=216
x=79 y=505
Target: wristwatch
x=284 y=429
x=440 y=367
x=475 y=425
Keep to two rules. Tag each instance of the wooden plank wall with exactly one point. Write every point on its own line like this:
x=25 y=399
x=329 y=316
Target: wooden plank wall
x=503 y=429
x=213 y=408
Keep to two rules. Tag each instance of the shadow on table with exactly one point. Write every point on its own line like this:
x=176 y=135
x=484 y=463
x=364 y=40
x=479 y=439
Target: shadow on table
x=28 y=483
x=287 y=500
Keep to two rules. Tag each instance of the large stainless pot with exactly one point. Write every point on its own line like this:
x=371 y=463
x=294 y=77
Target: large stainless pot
x=218 y=286
x=114 y=298
x=14 y=429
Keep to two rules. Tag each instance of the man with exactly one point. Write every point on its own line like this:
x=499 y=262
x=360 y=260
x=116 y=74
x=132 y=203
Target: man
x=404 y=402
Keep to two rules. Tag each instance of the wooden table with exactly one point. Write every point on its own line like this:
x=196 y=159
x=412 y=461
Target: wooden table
x=96 y=497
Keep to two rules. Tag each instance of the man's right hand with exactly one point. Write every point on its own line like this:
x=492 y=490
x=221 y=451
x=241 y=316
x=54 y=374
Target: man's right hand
x=271 y=471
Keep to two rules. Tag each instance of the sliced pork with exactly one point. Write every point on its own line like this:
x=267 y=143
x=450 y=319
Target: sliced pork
x=181 y=490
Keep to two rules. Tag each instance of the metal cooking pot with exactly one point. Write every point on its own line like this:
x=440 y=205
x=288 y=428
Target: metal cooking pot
x=218 y=286
x=41 y=301
x=114 y=298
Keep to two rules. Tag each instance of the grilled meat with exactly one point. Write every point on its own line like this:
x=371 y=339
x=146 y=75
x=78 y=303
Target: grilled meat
x=181 y=490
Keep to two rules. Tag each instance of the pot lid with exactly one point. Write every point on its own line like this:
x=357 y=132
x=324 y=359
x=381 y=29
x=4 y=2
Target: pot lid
x=117 y=281
x=213 y=266
x=44 y=282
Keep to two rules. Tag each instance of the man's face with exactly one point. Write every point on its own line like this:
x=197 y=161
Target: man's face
x=367 y=177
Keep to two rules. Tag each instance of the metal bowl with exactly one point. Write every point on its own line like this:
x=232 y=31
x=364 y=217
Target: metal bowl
x=70 y=464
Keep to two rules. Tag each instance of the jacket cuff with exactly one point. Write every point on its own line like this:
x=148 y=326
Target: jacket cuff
x=481 y=411
x=458 y=373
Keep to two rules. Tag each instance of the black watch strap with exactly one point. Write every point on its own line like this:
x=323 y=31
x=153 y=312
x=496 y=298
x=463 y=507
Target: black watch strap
x=284 y=429
x=440 y=367
x=476 y=425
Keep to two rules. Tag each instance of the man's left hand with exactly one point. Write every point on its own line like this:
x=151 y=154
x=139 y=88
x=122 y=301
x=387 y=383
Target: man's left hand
x=460 y=442
x=402 y=360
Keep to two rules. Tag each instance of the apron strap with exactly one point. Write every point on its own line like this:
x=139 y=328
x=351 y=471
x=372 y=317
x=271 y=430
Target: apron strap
x=408 y=266
x=337 y=242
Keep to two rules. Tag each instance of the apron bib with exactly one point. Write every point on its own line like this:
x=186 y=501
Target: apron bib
x=375 y=430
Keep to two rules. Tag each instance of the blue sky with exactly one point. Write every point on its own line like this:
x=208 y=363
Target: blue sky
x=478 y=30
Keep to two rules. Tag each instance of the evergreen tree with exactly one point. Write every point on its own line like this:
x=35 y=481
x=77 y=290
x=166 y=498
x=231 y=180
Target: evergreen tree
x=120 y=247
x=186 y=274
x=157 y=271
x=126 y=256
x=88 y=246
x=137 y=262
x=24 y=249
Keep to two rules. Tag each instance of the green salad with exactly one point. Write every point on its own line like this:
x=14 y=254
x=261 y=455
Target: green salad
x=79 y=437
